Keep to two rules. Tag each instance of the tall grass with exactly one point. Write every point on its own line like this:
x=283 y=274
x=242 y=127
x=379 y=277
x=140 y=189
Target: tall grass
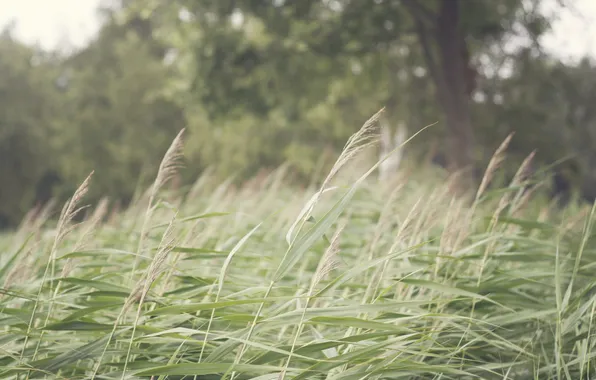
x=353 y=280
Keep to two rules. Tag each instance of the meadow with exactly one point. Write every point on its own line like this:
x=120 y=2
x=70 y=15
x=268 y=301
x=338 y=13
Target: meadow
x=350 y=280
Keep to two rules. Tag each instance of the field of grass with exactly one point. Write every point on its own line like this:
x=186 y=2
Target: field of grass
x=399 y=281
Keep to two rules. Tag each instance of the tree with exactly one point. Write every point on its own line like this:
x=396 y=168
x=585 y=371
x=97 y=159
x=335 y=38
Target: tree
x=261 y=57
x=27 y=111
x=549 y=105
x=115 y=120
x=452 y=74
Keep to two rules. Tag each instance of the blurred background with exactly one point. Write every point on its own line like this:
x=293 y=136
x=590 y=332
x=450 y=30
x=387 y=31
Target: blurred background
x=106 y=85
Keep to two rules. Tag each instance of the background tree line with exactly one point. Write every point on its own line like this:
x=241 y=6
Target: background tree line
x=261 y=83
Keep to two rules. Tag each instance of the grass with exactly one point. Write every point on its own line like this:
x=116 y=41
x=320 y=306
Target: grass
x=362 y=281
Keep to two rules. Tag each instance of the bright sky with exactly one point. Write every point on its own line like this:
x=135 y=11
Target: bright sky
x=54 y=22
x=51 y=22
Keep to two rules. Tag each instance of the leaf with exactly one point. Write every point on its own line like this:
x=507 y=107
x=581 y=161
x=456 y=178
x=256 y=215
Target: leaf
x=443 y=288
x=228 y=260
x=520 y=316
x=8 y=264
x=195 y=217
x=72 y=356
x=358 y=323
x=353 y=272
x=189 y=369
x=97 y=252
x=16 y=294
x=88 y=310
x=194 y=307
x=197 y=250
x=78 y=326
x=307 y=208
x=99 y=285
x=299 y=247
x=529 y=224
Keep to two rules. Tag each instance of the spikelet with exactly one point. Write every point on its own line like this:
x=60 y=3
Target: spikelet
x=167 y=168
x=365 y=137
x=329 y=260
x=493 y=165
x=169 y=164
x=156 y=267
x=91 y=226
x=69 y=211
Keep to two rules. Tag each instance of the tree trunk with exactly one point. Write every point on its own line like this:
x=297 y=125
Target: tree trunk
x=454 y=89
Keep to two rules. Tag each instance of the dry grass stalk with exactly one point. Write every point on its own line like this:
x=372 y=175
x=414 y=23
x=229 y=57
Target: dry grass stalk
x=69 y=211
x=169 y=164
x=521 y=178
x=167 y=169
x=451 y=230
x=385 y=219
x=156 y=267
x=494 y=163
x=328 y=261
x=91 y=226
x=139 y=293
x=29 y=227
x=365 y=137
x=22 y=270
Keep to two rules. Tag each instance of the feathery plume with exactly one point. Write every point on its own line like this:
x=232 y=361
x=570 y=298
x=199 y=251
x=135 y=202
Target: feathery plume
x=169 y=164
x=329 y=260
x=167 y=168
x=493 y=165
x=68 y=213
x=365 y=137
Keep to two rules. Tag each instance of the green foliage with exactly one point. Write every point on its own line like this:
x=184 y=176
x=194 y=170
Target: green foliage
x=26 y=115
x=261 y=84
x=416 y=290
x=565 y=134
x=295 y=75
x=116 y=121
x=100 y=109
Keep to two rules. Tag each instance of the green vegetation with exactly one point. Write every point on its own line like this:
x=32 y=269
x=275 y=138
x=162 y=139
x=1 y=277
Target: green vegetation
x=266 y=281
x=253 y=273
x=259 y=85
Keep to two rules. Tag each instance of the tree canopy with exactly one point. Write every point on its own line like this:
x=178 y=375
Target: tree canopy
x=262 y=83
